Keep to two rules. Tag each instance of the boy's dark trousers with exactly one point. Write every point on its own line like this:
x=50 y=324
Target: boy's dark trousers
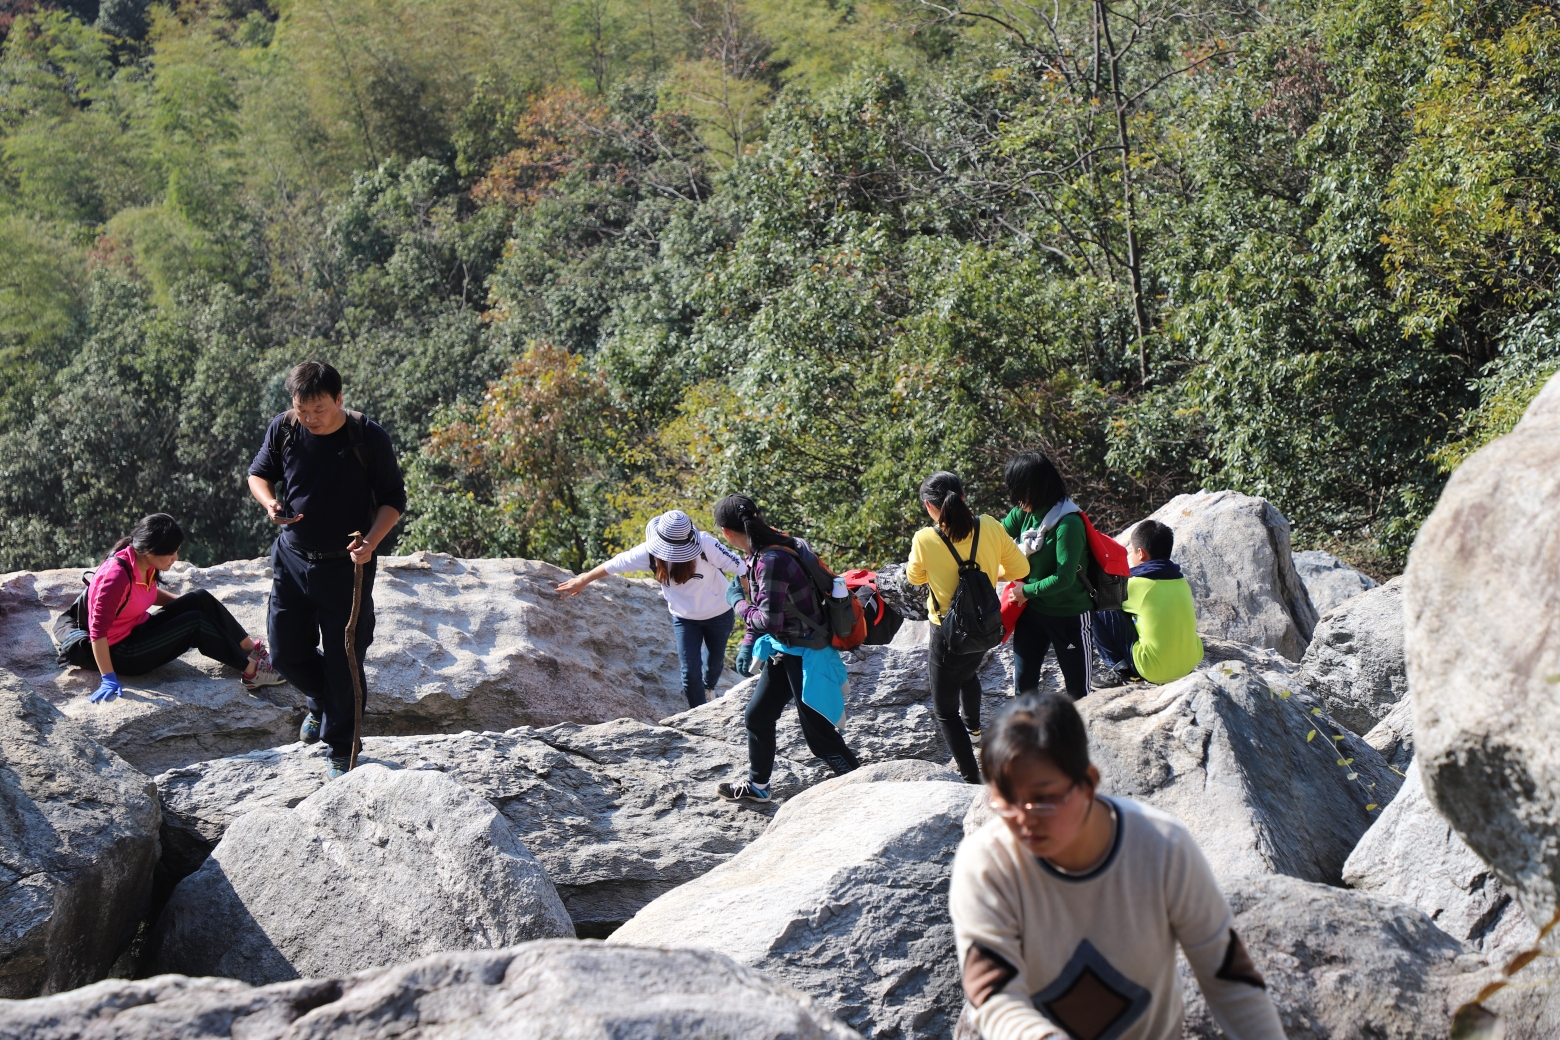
x=310 y=603
x=1114 y=634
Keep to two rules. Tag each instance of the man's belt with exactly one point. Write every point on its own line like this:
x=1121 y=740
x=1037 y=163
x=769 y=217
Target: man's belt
x=316 y=557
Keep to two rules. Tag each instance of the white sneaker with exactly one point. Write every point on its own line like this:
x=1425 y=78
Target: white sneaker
x=264 y=674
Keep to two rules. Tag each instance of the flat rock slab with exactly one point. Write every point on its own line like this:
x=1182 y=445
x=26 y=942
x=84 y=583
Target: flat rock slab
x=1329 y=581
x=1355 y=662
x=541 y=990
x=1234 y=551
x=1225 y=751
x=1344 y=965
x=78 y=842
x=618 y=813
x=1411 y=855
x=846 y=899
x=459 y=644
x=378 y=866
x=1480 y=600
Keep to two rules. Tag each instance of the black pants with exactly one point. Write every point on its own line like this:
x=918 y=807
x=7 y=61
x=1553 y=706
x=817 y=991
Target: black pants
x=310 y=605
x=1114 y=634
x=196 y=620
x=778 y=684
x=955 y=693
x=1071 y=636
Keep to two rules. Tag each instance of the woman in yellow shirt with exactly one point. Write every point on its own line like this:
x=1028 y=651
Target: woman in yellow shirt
x=955 y=686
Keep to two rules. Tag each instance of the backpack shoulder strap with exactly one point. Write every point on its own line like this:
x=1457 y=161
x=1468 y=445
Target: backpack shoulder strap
x=357 y=428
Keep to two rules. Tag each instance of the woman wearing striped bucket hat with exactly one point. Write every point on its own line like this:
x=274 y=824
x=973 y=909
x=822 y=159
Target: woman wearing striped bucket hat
x=691 y=567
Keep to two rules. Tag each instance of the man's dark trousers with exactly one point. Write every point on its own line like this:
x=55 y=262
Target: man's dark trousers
x=311 y=601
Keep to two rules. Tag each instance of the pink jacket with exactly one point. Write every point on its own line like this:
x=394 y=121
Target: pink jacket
x=108 y=590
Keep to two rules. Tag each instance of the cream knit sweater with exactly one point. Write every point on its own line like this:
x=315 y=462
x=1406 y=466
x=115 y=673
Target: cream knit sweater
x=1048 y=956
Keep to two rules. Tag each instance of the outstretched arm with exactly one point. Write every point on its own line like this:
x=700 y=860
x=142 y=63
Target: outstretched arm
x=575 y=585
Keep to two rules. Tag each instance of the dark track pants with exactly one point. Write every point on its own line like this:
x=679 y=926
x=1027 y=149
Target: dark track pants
x=701 y=651
x=310 y=605
x=196 y=620
x=1071 y=636
x=778 y=684
x=955 y=700
x=1114 y=634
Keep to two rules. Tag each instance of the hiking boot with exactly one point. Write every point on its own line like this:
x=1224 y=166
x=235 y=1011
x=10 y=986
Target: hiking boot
x=260 y=673
x=335 y=767
x=309 y=732
x=975 y=738
x=743 y=792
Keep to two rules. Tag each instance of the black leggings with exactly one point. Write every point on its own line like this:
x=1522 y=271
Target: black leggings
x=780 y=682
x=1071 y=636
x=955 y=700
x=196 y=620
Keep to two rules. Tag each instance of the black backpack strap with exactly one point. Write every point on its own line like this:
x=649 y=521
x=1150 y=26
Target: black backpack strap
x=357 y=426
x=974 y=548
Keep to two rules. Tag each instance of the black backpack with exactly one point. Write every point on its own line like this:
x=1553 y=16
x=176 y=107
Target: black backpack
x=840 y=616
x=972 y=624
x=70 y=628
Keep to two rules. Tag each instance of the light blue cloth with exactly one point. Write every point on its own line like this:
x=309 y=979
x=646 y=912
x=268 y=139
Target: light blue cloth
x=823 y=675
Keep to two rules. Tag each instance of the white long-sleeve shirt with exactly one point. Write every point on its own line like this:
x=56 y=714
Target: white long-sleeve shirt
x=1046 y=955
x=701 y=597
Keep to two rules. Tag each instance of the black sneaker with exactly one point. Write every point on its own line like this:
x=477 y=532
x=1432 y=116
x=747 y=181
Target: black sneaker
x=743 y=792
x=309 y=732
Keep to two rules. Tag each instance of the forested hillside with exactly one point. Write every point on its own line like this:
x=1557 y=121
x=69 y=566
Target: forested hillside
x=590 y=259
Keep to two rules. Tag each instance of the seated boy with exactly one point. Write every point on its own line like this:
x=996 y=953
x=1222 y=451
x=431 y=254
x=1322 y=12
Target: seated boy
x=1154 y=634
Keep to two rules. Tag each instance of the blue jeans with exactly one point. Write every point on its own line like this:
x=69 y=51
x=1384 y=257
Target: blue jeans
x=692 y=636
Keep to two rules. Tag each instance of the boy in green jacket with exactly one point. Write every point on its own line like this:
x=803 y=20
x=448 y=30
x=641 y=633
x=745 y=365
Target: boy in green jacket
x=1154 y=634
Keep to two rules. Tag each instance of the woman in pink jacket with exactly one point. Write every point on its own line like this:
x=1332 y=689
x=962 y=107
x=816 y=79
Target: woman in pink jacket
x=126 y=637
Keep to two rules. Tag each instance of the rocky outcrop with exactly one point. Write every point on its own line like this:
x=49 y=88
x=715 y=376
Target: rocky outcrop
x=459 y=644
x=1411 y=855
x=1234 y=551
x=1248 y=762
x=1480 y=599
x=1393 y=736
x=1329 y=581
x=846 y=899
x=888 y=708
x=377 y=867
x=618 y=813
x=1343 y=965
x=78 y=842
x=1355 y=660
x=553 y=988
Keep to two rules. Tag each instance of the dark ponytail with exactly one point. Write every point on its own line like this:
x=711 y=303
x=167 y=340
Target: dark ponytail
x=740 y=513
x=945 y=491
x=155 y=535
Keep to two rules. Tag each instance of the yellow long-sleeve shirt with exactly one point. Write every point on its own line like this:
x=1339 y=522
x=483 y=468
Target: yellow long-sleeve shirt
x=932 y=564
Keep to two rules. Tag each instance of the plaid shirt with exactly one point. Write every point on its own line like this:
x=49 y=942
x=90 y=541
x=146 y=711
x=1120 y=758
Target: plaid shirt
x=775 y=574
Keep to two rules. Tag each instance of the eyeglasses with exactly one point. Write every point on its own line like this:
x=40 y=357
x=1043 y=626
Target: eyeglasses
x=1030 y=810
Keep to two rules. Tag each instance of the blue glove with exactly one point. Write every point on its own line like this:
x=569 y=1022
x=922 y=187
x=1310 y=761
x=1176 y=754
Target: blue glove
x=745 y=659
x=734 y=593
x=109 y=690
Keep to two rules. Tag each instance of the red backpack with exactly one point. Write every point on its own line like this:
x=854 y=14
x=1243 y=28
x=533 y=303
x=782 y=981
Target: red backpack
x=882 y=620
x=1105 y=576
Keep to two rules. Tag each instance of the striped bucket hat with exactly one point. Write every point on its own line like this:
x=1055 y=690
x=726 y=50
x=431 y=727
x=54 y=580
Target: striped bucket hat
x=672 y=537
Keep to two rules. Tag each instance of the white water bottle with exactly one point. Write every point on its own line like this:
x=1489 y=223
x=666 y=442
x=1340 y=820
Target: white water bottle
x=840 y=591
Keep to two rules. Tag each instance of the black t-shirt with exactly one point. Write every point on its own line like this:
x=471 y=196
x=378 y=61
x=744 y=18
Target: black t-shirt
x=322 y=478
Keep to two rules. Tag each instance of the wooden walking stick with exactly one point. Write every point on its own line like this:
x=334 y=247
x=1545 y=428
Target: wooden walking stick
x=352 y=661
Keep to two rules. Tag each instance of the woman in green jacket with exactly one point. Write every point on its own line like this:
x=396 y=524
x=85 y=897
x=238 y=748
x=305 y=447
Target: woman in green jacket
x=1048 y=527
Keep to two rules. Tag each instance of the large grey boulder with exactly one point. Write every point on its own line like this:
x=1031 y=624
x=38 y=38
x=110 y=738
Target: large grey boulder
x=1393 y=736
x=1480 y=601
x=378 y=866
x=1344 y=965
x=1329 y=581
x=1411 y=855
x=1355 y=660
x=846 y=899
x=547 y=990
x=618 y=813
x=1234 y=551
x=458 y=644
x=888 y=708
x=78 y=842
x=1248 y=762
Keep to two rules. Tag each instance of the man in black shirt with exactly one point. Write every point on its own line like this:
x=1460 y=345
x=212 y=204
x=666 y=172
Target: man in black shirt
x=333 y=473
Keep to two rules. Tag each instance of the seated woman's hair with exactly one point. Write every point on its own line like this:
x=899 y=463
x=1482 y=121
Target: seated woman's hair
x=740 y=513
x=1041 y=725
x=1154 y=538
x=1033 y=482
x=155 y=535
x=946 y=491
